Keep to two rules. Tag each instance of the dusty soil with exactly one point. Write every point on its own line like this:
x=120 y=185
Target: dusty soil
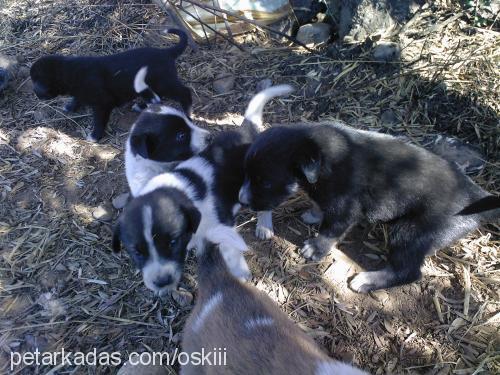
x=60 y=284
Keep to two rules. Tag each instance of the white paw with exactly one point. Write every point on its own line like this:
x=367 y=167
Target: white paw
x=264 y=233
x=362 y=282
x=309 y=217
x=308 y=250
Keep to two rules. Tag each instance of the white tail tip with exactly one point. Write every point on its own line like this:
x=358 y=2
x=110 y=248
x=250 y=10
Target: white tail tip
x=256 y=105
x=140 y=80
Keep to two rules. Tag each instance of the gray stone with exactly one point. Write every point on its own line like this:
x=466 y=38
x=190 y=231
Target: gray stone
x=388 y=117
x=224 y=83
x=102 y=213
x=386 y=51
x=8 y=66
x=263 y=84
x=120 y=200
x=314 y=33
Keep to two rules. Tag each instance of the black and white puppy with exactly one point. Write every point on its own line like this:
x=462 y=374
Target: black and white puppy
x=210 y=180
x=156 y=229
x=160 y=138
x=353 y=175
x=105 y=82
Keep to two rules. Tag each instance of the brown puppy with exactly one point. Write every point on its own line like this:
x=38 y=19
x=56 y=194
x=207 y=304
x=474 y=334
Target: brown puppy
x=234 y=318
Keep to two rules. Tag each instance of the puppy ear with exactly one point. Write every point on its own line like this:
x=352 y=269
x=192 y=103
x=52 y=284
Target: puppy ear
x=193 y=216
x=141 y=144
x=116 y=239
x=309 y=162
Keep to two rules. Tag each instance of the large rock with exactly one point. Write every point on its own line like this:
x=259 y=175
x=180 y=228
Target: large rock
x=358 y=19
x=314 y=33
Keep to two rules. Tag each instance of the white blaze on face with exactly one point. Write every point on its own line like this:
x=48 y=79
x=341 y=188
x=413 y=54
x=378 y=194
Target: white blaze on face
x=155 y=268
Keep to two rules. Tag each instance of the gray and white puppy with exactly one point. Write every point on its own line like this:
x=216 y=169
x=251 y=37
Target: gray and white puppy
x=355 y=175
x=257 y=336
x=160 y=138
x=210 y=181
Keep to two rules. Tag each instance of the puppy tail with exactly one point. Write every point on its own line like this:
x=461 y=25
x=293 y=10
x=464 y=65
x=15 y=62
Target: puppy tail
x=253 y=113
x=142 y=88
x=482 y=205
x=230 y=246
x=180 y=47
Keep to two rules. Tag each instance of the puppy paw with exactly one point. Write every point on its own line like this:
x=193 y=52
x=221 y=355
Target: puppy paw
x=313 y=250
x=363 y=282
x=311 y=217
x=264 y=233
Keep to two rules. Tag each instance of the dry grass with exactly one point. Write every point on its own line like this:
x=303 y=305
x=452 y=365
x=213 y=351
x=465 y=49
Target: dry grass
x=60 y=285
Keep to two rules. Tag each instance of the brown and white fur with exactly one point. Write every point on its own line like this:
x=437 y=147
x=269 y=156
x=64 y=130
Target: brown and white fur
x=256 y=335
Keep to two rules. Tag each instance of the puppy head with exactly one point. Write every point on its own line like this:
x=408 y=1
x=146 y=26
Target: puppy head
x=45 y=73
x=162 y=133
x=275 y=165
x=155 y=229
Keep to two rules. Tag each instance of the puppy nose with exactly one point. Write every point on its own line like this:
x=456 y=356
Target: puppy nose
x=163 y=281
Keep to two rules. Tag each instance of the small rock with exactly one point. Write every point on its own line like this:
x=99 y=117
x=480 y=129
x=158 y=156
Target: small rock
x=314 y=33
x=388 y=118
x=386 y=51
x=263 y=84
x=224 y=83
x=120 y=200
x=8 y=66
x=103 y=213
x=182 y=297
x=140 y=369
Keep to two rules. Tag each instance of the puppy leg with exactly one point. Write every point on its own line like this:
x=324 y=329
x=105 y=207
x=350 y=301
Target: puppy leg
x=331 y=230
x=72 y=105
x=314 y=215
x=101 y=117
x=409 y=245
x=264 y=229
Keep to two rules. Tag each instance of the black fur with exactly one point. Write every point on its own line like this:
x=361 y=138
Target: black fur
x=105 y=82
x=354 y=175
x=172 y=143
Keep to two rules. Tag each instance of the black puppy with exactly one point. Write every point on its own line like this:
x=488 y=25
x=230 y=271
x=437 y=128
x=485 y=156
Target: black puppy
x=353 y=175
x=105 y=82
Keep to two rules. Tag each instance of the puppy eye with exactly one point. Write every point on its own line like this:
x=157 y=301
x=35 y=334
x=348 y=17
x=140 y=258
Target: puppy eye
x=266 y=185
x=181 y=136
x=173 y=242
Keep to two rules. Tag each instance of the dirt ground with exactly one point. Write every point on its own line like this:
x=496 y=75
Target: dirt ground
x=62 y=287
